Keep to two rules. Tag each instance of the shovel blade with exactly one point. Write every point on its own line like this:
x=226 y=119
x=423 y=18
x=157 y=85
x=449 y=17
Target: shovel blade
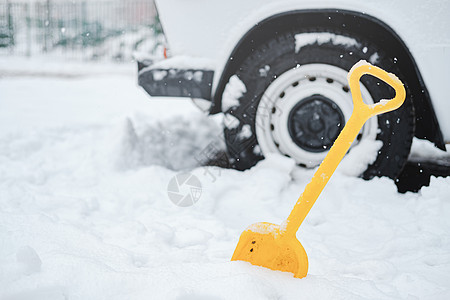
x=264 y=244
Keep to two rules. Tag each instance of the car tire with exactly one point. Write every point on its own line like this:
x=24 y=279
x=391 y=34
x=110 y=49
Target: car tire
x=291 y=97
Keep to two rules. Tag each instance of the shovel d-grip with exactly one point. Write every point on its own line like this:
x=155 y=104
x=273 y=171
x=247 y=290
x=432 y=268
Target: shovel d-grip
x=276 y=246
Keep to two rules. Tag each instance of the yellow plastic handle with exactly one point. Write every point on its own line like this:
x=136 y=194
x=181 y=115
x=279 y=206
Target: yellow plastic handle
x=369 y=110
x=361 y=113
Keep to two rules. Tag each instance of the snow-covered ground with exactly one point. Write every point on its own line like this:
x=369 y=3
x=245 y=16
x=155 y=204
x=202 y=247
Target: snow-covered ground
x=85 y=161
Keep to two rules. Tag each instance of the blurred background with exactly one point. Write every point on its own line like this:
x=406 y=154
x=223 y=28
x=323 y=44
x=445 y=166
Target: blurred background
x=108 y=30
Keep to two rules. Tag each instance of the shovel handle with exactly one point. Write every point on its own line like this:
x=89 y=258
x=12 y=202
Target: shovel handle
x=365 y=111
x=361 y=113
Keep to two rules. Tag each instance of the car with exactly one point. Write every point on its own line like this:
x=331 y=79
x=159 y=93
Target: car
x=277 y=71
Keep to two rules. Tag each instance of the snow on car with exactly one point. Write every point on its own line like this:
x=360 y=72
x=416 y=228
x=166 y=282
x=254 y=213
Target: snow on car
x=278 y=71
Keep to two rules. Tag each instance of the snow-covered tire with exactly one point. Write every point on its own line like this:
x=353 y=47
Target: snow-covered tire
x=291 y=97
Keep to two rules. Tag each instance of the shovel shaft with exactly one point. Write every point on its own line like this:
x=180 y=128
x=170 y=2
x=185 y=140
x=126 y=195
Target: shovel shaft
x=361 y=113
x=323 y=174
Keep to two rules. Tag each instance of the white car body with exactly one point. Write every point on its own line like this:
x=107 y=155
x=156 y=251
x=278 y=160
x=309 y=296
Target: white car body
x=209 y=29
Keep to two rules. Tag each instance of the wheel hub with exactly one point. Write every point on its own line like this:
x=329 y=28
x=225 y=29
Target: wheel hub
x=303 y=111
x=315 y=122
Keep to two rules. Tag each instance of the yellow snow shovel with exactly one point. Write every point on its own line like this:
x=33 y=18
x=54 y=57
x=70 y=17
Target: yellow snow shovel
x=276 y=246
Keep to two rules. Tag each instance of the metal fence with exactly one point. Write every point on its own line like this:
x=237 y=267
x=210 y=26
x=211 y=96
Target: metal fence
x=91 y=30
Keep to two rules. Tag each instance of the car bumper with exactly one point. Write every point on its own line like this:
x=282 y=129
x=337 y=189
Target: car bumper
x=160 y=80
